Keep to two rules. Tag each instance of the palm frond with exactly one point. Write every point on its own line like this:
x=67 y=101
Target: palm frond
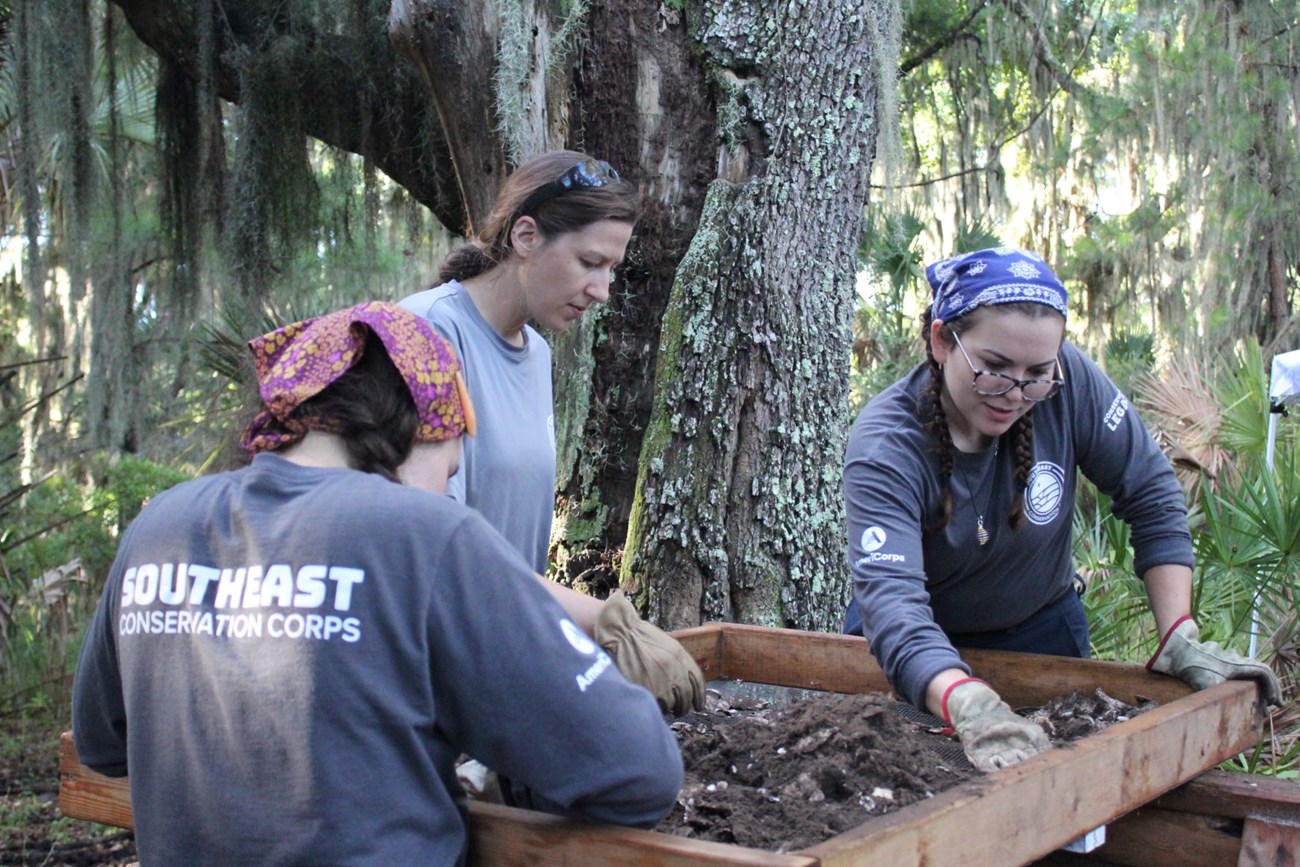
x=1181 y=408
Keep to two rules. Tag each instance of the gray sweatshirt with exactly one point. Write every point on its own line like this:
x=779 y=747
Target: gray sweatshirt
x=288 y=661
x=914 y=585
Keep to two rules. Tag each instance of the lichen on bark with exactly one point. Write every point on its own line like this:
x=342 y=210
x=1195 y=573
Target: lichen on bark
x=738 y=507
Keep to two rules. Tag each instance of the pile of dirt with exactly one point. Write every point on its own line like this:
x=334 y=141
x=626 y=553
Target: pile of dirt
x=785 y=776
x=778 y=775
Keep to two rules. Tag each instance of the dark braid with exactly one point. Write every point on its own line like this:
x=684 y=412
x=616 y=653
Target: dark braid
x=1023 y=436
x=937 y=427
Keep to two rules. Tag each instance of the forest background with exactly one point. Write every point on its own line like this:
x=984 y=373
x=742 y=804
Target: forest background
x=179 y=176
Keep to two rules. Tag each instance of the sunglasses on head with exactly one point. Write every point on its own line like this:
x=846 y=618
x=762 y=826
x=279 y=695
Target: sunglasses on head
x=587 y=174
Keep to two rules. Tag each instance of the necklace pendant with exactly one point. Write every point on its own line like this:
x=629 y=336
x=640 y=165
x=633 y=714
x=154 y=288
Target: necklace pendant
x=981 y=534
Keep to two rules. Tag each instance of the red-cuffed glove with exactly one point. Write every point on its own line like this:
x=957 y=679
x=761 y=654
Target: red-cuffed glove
x=992 y=734
x=1200 y=664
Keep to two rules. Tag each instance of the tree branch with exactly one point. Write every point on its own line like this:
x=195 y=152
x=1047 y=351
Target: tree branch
x=957 y=32
x=379 y=109
x=1063 y=77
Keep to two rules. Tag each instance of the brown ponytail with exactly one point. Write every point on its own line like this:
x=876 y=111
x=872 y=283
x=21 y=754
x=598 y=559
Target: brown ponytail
x=574 y=209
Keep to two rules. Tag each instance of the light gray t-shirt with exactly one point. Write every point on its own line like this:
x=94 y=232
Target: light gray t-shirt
x=507 y=471
x=913 y=585
x=287 y=661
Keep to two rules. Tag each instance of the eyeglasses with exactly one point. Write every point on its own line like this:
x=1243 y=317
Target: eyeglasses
x=587 y=174
x=992 y=384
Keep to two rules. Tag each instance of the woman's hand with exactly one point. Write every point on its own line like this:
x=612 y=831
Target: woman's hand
x=992 y=735
x=1204 y=663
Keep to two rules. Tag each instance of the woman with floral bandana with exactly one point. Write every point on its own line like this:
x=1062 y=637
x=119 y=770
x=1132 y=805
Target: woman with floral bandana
x=544 y=255
x=288 y=658
x=959 y=489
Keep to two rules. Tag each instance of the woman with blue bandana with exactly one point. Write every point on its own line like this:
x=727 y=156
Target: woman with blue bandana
x=959 y=488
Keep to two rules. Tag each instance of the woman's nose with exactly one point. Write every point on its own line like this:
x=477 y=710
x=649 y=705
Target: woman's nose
x=598 y=289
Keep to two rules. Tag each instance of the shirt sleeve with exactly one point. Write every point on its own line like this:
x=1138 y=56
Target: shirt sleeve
x=885 y=507
x=534 y=698
x=98 y=706
x=1118 y=454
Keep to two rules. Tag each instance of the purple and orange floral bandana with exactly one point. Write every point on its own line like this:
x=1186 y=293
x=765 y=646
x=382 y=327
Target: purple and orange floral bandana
x=298 y=361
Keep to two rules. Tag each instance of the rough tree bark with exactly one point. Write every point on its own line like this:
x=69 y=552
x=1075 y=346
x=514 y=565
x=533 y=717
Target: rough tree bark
x=738 y=513
x=642 y=98
x=765 y=109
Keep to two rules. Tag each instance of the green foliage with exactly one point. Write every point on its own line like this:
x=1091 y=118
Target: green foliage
x=1147 y=150
x=1127 y=356
x=1249 y=549
x=1245 y=527
x=63 y=519
x=55 y=552
x=977 y=235
x=1241 y=392
x=885 y=334
x=889 y=249
x=1115 y=599
x=1284 y=764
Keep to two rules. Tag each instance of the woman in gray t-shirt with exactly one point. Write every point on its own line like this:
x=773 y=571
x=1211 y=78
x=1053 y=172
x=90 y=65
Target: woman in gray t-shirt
x=544 y=255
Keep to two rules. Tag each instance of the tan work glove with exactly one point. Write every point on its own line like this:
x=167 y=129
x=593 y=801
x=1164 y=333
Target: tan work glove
x=992 y=735
x=1202 y=664
x=649 y=656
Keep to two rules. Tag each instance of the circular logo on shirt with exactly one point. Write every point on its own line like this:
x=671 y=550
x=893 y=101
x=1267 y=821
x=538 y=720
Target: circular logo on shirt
x=872 y=538
x=578 y=638
x=1044 y=492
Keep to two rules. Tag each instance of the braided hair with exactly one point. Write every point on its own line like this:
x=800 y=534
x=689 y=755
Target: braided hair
x=1021 y=433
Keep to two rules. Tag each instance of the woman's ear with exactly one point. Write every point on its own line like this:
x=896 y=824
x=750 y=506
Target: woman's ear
x=525 y=237
x=939 y=348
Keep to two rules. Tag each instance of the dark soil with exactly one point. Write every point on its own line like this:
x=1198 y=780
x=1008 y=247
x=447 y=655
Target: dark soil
x=783 y=777
x=762 y=771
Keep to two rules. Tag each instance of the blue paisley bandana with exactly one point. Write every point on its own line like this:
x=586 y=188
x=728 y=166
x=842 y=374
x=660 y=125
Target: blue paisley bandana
x=1001 y=275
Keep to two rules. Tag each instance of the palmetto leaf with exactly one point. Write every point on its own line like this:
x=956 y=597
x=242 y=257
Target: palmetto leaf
x=1181 y=409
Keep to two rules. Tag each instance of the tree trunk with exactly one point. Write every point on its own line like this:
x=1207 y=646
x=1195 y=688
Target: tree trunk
x=734 y=500
x=738 y=513
x=642 y=101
